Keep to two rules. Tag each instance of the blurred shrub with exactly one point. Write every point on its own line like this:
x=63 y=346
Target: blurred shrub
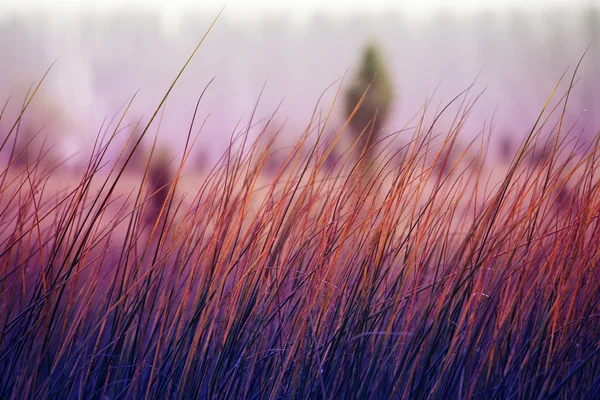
x=160 y=178
x=42 y=133
x=376 y=105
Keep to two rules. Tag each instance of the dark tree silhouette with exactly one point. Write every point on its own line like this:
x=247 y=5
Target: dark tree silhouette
x=375 y=108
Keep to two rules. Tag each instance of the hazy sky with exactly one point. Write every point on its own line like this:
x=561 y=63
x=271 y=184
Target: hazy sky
x=299 y=8
x=249 y=12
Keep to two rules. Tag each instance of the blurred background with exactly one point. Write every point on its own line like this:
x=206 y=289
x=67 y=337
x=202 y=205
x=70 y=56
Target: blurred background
x=107 y=50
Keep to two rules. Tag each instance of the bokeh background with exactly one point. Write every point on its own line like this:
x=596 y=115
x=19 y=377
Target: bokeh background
x=106 y=51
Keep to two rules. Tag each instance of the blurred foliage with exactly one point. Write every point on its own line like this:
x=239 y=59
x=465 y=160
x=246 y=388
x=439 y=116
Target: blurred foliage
x=378 y=99
x=161 y=175
x=43 y=127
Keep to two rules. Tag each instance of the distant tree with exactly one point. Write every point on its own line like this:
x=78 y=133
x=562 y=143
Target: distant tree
x=375 y=108
x=41 y=131
x=161 y=175
x=506 y=147
x=137 y=163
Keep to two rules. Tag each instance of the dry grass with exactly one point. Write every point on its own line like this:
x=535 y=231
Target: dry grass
x=422 y=282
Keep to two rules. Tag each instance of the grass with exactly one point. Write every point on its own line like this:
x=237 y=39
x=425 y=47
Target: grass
x=426 y=280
